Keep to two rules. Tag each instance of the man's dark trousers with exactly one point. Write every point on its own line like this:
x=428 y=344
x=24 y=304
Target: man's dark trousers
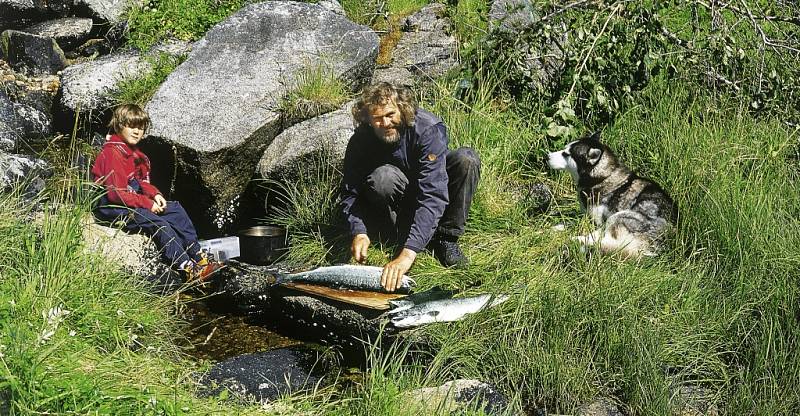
x=386 y=190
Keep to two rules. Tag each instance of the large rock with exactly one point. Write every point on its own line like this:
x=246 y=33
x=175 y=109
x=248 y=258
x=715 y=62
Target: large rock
x=68 y=32
x=267 y=375
x=135 y=254
x=112 y=11
x=456 y=397
x=426 y=49
x=15 y=14
x=22 y=171
x=326 y=134
x=394 y=75
x=22 y=123
x=32 y=54
x=220 y=106
x=90 y=86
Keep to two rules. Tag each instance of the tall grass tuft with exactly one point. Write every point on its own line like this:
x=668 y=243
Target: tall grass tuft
x=315 y=90
x=139 y=90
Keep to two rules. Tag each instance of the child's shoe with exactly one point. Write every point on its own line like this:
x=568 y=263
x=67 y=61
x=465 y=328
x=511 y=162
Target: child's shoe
x=202 y=271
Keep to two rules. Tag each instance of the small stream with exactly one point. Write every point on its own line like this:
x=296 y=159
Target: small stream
x=217 y=336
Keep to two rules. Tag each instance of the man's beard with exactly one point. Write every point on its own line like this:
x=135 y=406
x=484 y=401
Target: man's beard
x=389 y=136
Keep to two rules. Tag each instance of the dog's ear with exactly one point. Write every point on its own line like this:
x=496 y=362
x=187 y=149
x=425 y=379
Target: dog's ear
x=594 y=155
x=595 y=136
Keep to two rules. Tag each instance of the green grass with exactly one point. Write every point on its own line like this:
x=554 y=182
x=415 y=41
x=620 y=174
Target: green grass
x=139 y=90
x=314 y=90
x=186 y=20
x=717 y=311
x=76 y=335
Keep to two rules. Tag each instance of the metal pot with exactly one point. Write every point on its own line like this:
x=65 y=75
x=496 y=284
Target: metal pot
x=262 y=245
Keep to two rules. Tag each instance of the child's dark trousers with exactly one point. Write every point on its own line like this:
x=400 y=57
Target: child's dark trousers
x=172 y=230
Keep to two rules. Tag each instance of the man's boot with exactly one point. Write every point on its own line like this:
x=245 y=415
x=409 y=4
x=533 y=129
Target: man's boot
x=448 y=252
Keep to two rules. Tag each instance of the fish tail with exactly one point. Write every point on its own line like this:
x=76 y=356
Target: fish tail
x=281 y=278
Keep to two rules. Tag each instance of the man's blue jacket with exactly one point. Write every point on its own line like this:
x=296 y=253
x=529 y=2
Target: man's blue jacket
x=421 y=154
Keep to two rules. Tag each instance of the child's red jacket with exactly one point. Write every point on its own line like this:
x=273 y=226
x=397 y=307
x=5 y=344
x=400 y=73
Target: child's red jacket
x=125 y=173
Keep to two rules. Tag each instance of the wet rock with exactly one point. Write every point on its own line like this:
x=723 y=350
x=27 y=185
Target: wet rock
x=394 y=75
x=22 y=171
x=68 y=32
x=243 y=287
x=112 y=11
x=136 y=254
x=326 y=134
x=32 y=54
x=457 y=396
x=599 y=407
x=427 y=51
x=220 y=106
x=325 y=319
x=267 y=375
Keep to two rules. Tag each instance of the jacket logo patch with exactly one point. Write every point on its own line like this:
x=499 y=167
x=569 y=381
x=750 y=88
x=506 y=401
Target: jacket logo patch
x=431 y=157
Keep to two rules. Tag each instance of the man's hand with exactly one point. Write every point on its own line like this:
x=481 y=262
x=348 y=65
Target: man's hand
x=359 y=247
x=393 y=271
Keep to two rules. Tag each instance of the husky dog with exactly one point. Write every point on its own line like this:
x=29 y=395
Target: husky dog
x=632 y=213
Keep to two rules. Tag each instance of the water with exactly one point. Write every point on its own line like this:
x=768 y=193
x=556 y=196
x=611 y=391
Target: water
x=215 y=337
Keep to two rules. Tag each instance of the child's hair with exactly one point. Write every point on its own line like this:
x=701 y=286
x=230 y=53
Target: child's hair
x=129 y=115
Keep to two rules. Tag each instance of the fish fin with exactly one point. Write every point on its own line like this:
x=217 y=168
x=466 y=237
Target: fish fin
x=397 y=309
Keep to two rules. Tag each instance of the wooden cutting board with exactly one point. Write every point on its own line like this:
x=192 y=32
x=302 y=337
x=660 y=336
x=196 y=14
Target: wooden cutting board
x=366 y=299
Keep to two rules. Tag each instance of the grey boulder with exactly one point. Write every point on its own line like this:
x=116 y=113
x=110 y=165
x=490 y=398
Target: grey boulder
x=426 y=49
x=394 y=75
x=112 y=11
x=220 y=107
x=16 y=14
x=90 y=86
x=327 y=134
x=21 y=123
x=457 y=396
x=333 y=6
x=23 y=174
x=68 y=32
x=32 y=54
x=135 y=254
x=512 y=15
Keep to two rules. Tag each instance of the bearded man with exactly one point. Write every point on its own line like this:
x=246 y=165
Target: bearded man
x=400 y=180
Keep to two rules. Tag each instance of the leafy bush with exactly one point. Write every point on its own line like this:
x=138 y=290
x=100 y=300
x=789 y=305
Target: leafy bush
x=604 y=52
x=180 y=19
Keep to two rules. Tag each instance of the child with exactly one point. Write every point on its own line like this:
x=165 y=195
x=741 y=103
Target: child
x=124 y=171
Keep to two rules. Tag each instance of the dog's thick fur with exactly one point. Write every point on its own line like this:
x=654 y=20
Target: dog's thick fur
x=632 y=213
